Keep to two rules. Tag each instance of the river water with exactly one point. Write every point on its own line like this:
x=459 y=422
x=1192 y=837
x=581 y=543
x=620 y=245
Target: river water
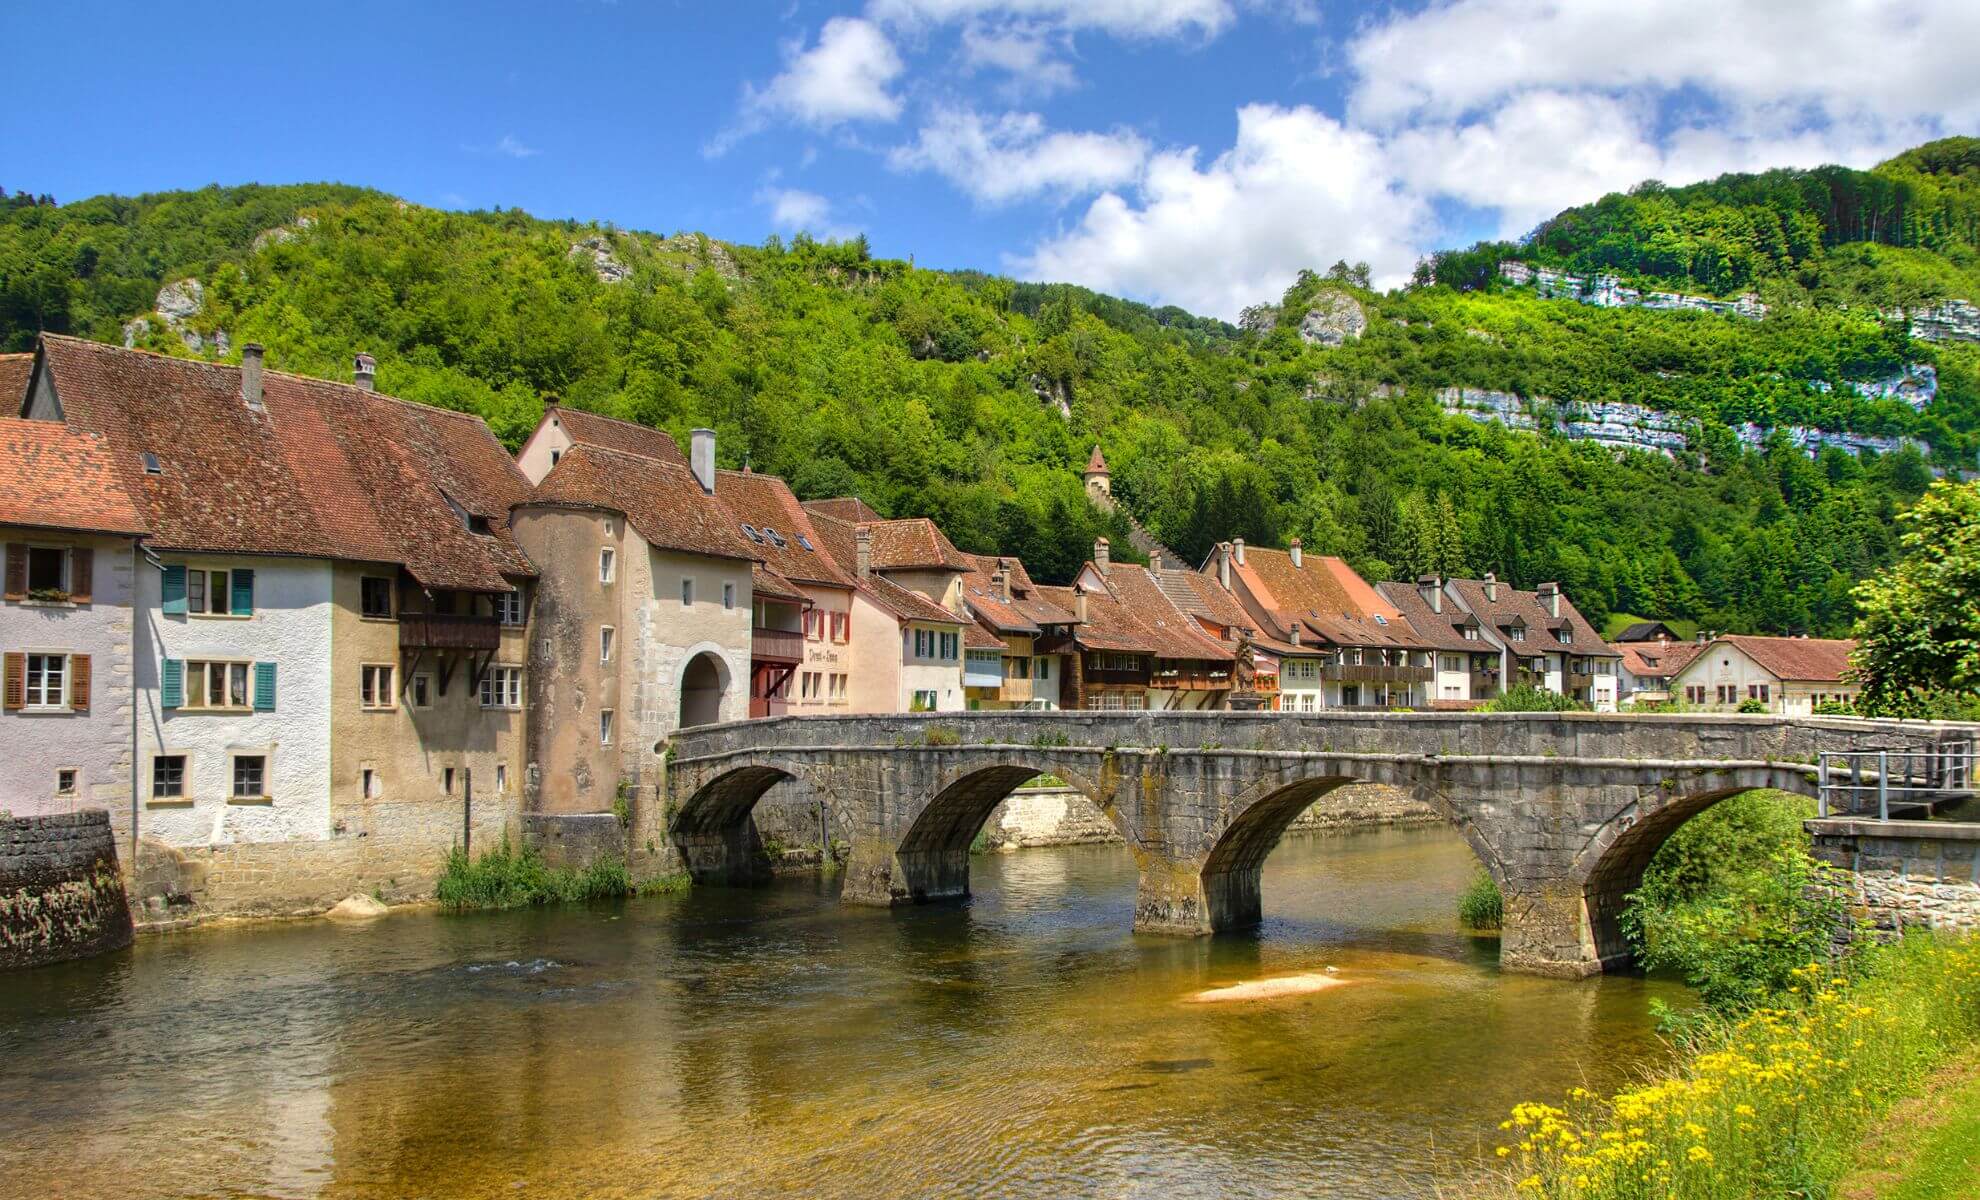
x=761 y=1042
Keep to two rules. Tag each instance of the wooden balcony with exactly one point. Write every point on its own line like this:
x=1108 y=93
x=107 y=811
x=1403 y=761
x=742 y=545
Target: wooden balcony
x=1484 y=685
x=1190 y=679
x=1577 y=681
x=444 y=631
x=776 y=645
x=1374 y=673
x=1105 y=677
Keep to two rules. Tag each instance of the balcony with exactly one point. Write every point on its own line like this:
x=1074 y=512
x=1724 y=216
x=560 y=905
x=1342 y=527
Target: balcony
x=1373 y=673
x=1577 y=682
x=444 y=631
x=983 y=672
x=1191 y=679
x=1484 y=684
x=1108 y=677
x=776 y=645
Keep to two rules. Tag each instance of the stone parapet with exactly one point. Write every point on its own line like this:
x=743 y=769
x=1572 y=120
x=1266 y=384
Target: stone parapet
x=61 y=894
x=1905 y=874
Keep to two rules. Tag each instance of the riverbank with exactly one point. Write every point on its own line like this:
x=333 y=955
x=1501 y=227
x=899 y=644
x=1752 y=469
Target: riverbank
x=1927 y=1148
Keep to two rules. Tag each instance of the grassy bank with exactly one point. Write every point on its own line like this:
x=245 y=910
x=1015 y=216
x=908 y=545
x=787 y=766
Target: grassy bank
x=518 y=878
x=1928 y=1148
x=1774 y=1103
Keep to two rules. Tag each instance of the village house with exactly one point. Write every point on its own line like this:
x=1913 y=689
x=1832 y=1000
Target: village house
x=328 y=604
x=69 y=535
x=1005 y=669
x=1129 y=646
x=1790 y=676
x=1466 y=668
x=1544 y=641
x=906 y=648
x=1645 y=668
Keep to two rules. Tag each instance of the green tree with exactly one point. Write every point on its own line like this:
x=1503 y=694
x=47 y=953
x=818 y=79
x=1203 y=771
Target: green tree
x=1920 y=626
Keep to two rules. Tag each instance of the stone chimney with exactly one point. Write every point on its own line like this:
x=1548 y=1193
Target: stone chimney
x=1155 y=562
x=1550 y=595
x=1079 y=602
x=1292 y=633
x=1431 y=588
x=1224 y=567
x=1491 y=588
x=1000 y=581
x=364 y=371
x=701 y=458
x=1237 y=550
x=862 y=553
x=1101 y=549
x=251 y=375
x=1298 y=555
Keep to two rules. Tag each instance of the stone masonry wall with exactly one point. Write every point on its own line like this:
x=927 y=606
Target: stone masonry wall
x=61 y=895
x=1906 y=874
x=1063 y=817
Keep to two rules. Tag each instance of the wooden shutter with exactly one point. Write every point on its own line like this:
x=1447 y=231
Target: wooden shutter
x=82 y=567
x=243 y=597
x=172 y=682
x=172 y=590
x=17 y=571
x=13 y=695
x=79 y=682
x=264 y=687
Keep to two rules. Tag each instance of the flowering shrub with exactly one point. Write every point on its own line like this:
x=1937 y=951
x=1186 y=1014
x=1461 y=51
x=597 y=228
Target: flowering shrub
x=1772 y=1104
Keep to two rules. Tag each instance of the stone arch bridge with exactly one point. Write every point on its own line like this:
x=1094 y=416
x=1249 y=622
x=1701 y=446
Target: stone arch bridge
x=1563 y=809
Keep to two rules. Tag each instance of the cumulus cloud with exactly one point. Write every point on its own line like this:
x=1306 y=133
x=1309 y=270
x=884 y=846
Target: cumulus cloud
x=846 y=76
x=793 y=210
x=1031 y=57
x=996 y=160
x=1121 y=18
x=1297 y=188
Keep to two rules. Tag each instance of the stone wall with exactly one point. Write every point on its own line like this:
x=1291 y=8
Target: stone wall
x=1063 y=817
x=1906 y=874
x=393 y=849
x=575 y=840
x=61 y=895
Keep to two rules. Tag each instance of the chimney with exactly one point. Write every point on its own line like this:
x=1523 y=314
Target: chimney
x=364 y=371
x=1224 y=567
x=1100 y=554
x=1292 y=633
x=1431 y=588
x=1491 y=588
x=1155 y=562
x=251 y=375
x=1297 y=556
x=1000 y=585
x=1550 y=595
x=701 y=458
x=1079 y=602
x=1703 y=637
x=862 y=546
x=1237 y=550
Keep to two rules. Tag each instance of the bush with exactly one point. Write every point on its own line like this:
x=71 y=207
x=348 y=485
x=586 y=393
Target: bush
x=509 y=878
x=1527 y=698
x=1751 y=705
x=1481 y=906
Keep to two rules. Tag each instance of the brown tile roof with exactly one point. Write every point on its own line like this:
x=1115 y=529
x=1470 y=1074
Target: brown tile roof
x=1025 y=608
x=766 y=584
x=1439 y=630
x=661 y=500
x=838 y=539
x=1526 y=607
x=765 y=503
x=908 y=604
x=1200 y=596
x=53 y=477
x=610 y=433
x=843 y=508
x=324 y=470
x=1813 y=660
x=14 y=372
x=1325 y=596
x=1096 y=462
x=1646 y=631
x=1655 y=660
x=913 y=543
x=976 y=637
x=1173 y=632
x=1108 y=624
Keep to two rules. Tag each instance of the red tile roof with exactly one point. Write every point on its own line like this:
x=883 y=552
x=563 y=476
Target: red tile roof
x=1023 y=612
x=765 y=504
x=610 y=433
x=661 y=500
x=908 y=604
x=1655 y=660
x=1096 y=463
x=843 y=508
x=1176 y=634
x=1108 y=624
x=1439 y=630
x=1812 y=660
x=766 y=584
x=1527 y=609
x=322 y=470
x=976 y=637
x=53 y=477
x=1324 y=595
x=14 y=372
x=913 y=543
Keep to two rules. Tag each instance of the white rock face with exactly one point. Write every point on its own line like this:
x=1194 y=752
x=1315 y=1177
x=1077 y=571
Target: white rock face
x=1947 y=321
x=1335 y=319
x=607 y=268
x=1607 y=291
x=136 y=330
x=1259 y=318
x=180 y=299
x=1916 y=385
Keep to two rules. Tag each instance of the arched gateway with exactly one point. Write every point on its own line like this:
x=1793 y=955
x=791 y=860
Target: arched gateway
x=1564 y=809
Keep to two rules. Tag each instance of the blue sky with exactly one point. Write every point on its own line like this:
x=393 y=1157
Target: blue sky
x=1197 y=152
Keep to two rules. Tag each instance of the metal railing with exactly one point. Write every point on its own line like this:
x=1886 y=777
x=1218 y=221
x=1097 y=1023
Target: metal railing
x=1862 y=783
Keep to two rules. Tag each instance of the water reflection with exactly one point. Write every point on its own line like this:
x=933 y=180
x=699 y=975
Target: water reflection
x=756 y=1042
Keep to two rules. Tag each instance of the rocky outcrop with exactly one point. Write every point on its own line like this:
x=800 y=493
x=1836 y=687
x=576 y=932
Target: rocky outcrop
x=1947 y=321
x=1607 y=291
x=1917 y=385
x=693 y=251
x=283 y=233
x=1335 y=319
x=1259 y=318
x=136 y=330
x=179 y=300
x=599 y=250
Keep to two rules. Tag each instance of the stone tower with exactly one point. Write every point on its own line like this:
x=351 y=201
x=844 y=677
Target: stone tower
x=1099 y=481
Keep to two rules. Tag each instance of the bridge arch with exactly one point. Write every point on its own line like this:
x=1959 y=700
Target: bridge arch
x=712 y=827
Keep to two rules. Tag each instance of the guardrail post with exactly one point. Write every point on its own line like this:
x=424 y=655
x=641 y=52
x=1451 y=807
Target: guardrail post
x=1822 y=785
x=1883 y=785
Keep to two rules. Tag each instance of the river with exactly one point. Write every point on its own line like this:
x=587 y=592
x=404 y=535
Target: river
x=759 y=1042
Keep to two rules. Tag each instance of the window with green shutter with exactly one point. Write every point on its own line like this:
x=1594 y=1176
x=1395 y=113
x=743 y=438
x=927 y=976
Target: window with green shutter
x=172 y=683
x=243 y=593
x=174 y=590
x=264 y=687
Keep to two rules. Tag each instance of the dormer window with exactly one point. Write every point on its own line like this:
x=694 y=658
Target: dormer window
x=1566 y=636
x=749 y=531
x=151 y=464
x=776 y=539
x=479 y=525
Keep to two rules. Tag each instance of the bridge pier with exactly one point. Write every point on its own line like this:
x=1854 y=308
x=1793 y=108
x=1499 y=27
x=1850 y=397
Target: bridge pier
x=881 y=876
x=1548 y=932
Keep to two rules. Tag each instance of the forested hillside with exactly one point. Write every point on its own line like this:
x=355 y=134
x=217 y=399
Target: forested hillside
x=975 y=400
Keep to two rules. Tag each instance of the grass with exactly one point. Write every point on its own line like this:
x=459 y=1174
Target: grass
x=1617 y=622
x=512 y=878
x=1775 y=1103
x=1928 y=1147
x=1481 y=906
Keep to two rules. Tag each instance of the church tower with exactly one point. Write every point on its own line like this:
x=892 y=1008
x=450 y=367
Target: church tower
x=1099 y=481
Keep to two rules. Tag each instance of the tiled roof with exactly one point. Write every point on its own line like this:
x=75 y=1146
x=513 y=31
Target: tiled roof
x=53 y=477
x=1439 y=630
x=660 y=499
x=610 y=433
x=1655 y=660
x=976 y=637
x=1813 y=660
x=908 y=604
x=838 y=540
x=766 y=584
x=322 y=470
x=765 y=503
x=1200 y=596
x=1173 y=633
x=913 y=543
x=1645 y=631
x=1526 y=608
x=14 y=372
x=843 y=508
x=1096 y=463
x=1025 y=608
x=1108 y=624
x=1324 y=595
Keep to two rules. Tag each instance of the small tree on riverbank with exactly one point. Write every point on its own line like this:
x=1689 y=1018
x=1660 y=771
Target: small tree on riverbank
x=1918 y=638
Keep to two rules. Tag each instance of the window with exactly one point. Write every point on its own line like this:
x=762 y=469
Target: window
x=375 y=596
x=375 y=685
x=501 y=778
x=555 y=455
x=838 y=688
x=808 y=686
x=605 y=557
x=1017 y=667
x=220 y=593
x=605 y=644
x=749 y=531
x=951 y=646
x=250 y=782
x=1565 y=636
x=47 y=681
x=65 y=781
x=216 y=685
x=168 y=777
x=814 y=621
x=1517 y=633
x=509 y=607
x=805 y=542
x=841 y=624
x=611 y=527
x=48 y=570
x=422 y=691
x=1728 y=693
x=921 y=643
x=368 y=782
x=687 y=592
x=479 y=524
x=447 y=780
x=776 y=539
x=604 y=726
x=924 y=701
x=728 y=595
x=1044 y=671
x=501 y=687
x=1380 y=619
x=151 y=464
x=1470 y=633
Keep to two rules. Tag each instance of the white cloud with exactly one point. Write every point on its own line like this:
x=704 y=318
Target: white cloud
x=1297 y=189
x=1031 y=56
x=1122 y=18
x=844 y=77
x=1014 y=156
x=793 y=210
x=513 y=147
